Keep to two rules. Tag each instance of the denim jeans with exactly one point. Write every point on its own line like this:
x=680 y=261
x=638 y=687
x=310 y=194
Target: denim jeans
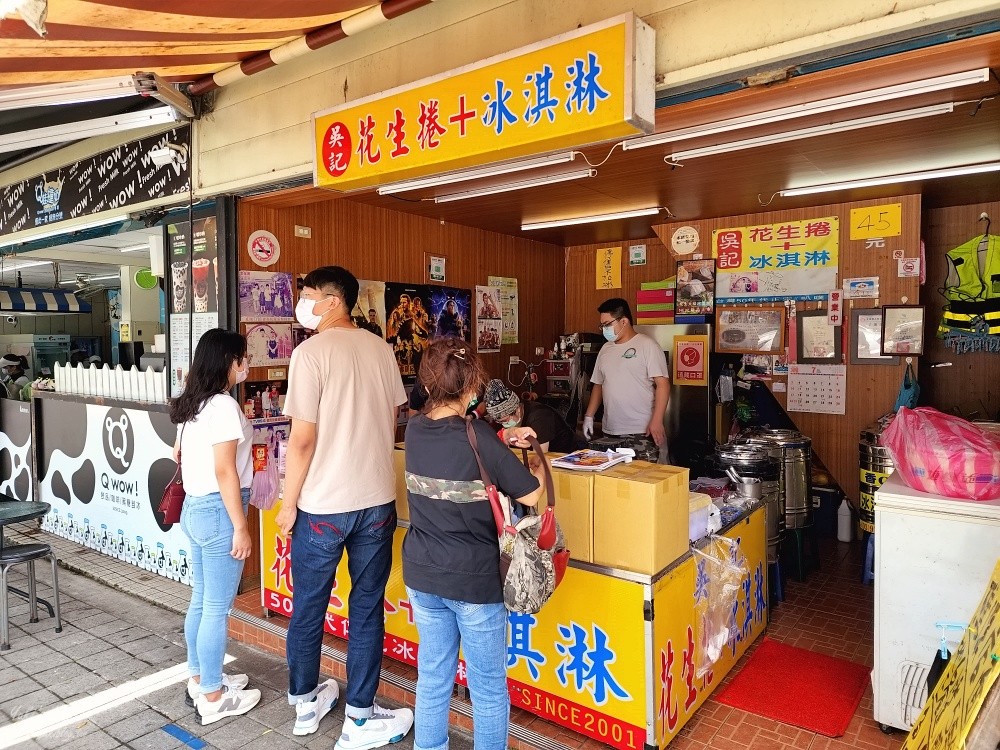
x=482 y=630
x=216 y=576
x=318 y=542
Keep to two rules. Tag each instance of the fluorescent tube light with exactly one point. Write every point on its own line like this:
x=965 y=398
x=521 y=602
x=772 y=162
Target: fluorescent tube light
x=931 y=174
x=506 y=187
x=833 y=127
x=17 y=265
x=859 y=99
x=477 y=173
x=61 y=229
x=87 y=279
x=77 y=131
x=76 y=92
x=591 y=219
x=134 y=248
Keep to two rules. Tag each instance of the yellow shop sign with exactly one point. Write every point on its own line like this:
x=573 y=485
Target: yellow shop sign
x=589 y=85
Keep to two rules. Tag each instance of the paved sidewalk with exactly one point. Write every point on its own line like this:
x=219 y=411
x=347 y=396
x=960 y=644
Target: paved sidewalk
x=110 y=639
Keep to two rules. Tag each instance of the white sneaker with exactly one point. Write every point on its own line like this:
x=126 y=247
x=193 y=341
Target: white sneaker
x=235 y=681
x=384 y=727
x=309 y=714
x=232 y=702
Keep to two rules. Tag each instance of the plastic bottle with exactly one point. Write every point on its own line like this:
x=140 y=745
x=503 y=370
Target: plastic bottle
x=844 y=522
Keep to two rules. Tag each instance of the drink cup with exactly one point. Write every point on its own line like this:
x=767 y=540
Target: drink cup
x=199 y=275
x=179 y=271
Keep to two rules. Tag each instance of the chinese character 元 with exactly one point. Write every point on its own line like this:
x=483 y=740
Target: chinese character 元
x=521 y=626
x=588 y=666
x=498 y=115
x=430 y=127
x=540 y=99
x=585 y=91
x=874 y=243
x=398 y=135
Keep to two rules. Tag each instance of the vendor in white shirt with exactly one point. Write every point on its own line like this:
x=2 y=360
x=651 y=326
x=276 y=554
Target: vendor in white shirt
x=631 y=379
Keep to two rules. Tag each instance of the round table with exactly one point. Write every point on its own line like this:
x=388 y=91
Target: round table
x=17 y=512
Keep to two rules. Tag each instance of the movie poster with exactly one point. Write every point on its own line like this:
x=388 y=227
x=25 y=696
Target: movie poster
x=408 y=325
x=488 y=322
x=451 y=312
x=369 y=312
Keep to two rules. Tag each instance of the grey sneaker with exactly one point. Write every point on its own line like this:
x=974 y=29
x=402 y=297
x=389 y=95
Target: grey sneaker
x=308 y=714
x=385 y=726
x=231 y=703
x=235 y=681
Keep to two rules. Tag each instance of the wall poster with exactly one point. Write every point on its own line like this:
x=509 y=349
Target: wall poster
x=369 y=311
x=266 y=296
x=269 y=344
x=488 y=322
x=695 y=297
x=408 y=325
x=508 y=307
x=193 y=293
x=772 y=262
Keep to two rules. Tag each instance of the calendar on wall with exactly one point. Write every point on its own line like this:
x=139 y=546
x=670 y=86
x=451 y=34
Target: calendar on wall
x=820 y=389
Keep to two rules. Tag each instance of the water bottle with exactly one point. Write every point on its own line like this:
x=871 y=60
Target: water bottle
x=844 y=521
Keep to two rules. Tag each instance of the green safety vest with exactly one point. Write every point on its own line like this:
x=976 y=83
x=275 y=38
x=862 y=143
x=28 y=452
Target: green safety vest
x=973 y=288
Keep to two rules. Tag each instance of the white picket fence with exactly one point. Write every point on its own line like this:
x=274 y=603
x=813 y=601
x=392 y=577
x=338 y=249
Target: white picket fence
x=128 y=385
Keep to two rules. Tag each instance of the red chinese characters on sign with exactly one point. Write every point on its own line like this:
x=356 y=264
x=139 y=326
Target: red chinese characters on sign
x=337 y=149
x=397 y=133
x=729 y=249
x=367 y=152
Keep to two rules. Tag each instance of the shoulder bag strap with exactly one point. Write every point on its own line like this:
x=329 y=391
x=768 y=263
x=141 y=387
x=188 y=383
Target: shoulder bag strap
x=500 y=509
x=549 y=487
x=471 y=432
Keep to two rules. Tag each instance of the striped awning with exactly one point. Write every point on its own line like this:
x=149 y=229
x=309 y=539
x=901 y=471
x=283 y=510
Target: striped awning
x=25 y=301
x=180 y=40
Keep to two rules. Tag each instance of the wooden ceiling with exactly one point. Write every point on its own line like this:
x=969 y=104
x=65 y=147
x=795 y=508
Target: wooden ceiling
x=742 y=182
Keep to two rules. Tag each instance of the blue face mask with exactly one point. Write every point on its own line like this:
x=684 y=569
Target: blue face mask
x=609 y=331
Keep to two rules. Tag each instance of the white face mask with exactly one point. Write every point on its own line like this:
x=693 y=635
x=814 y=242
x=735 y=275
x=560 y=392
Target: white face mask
x=243 y=373
x=305 y=315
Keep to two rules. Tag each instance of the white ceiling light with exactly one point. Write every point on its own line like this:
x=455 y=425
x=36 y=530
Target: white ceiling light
x=477 y=173
x=76 y=92
x=134 y=248
x=76 y=131
x=62 y=228
x=931 y=174
x=833 y=127
x=591 y=219
x=507 y=187
x=17 y=265
x=859 y=99
x=87 y=279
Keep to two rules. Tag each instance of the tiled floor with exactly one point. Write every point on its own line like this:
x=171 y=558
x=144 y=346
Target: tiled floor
x=832 y=613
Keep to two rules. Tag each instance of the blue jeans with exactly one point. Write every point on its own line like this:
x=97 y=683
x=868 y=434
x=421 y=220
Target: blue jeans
x=482 y=630
x=216 y=576
x=318 y=542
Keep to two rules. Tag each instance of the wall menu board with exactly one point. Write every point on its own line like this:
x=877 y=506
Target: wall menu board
x=193 y=292
x=750 y=330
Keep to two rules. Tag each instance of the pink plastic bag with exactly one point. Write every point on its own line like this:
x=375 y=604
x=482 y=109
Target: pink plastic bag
x=943 y=454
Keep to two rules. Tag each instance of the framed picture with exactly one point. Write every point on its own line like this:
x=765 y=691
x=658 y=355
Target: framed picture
x=818 y=342
x=750 y=330
x=903 y=329
x=866 y=338
x=694 y=300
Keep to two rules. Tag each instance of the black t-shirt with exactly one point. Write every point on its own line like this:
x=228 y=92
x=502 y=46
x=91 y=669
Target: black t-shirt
x=418 y=396
x=550 y=427
x=451 y=548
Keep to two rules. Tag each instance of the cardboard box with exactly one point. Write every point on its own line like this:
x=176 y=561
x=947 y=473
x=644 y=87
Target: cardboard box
x=575 y=510
x=399 y=463
x=641 y=516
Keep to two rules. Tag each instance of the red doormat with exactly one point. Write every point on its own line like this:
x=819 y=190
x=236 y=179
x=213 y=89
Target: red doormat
x=799 y=687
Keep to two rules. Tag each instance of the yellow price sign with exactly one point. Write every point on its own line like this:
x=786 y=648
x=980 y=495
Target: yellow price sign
x=875 y=222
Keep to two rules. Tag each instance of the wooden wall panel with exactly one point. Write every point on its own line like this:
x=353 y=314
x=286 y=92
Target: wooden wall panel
x=375 y=243
x=971 y=385
x=871 y=389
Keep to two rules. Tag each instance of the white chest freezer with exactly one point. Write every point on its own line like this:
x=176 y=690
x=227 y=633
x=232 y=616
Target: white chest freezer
x=934 y=556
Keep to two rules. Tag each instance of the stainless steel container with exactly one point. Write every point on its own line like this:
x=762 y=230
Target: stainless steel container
x=756 y=462
x=794 y=453
x=876 y=466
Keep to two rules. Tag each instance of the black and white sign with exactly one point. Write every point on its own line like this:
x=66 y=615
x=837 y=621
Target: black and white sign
x=118 y=178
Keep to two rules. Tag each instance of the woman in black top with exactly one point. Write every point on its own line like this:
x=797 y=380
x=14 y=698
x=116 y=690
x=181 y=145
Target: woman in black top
x=451 y=558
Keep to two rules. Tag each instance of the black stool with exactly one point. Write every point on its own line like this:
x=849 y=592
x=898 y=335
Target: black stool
x=26 y=554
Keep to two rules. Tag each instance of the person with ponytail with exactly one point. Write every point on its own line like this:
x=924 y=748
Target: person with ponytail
x=214 y=442
x=451 y=556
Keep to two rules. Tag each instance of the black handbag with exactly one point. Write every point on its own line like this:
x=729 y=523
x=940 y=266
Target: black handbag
x=172 y=501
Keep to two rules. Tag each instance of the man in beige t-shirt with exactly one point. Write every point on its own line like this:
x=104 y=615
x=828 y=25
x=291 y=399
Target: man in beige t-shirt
x=344 y=391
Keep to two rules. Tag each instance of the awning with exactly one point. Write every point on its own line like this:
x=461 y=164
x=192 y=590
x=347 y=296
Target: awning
x=25 y=301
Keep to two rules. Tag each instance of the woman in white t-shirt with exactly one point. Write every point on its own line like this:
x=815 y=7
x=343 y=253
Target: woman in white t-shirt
x=215 y=441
